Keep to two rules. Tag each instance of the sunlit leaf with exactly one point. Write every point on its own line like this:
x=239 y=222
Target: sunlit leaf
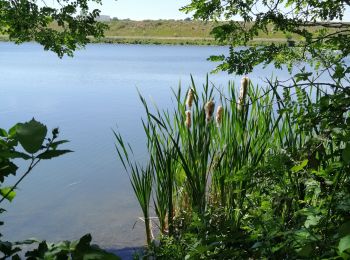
x=344 y=244
x=299 y=167
x=10 y=195
x=3 y=132
x=31 y=135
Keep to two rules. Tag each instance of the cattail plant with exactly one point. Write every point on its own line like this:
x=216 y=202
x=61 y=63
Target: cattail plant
x=190 y=97
x=190 y=167
x=243 y=93
x=188 y=119
x=219 y=114
x=209 y=110
x=141 y=182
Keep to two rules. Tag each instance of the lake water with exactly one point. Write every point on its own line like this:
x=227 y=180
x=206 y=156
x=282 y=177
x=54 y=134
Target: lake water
x=88 y=96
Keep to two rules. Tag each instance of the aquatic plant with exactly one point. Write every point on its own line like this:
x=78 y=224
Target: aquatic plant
x=257 y=181
x=194 y=163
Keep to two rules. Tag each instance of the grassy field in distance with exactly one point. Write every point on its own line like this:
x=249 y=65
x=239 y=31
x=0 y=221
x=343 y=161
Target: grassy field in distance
x=181 y=32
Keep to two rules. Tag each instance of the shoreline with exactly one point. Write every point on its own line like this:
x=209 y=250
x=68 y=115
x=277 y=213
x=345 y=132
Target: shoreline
x=154 y=40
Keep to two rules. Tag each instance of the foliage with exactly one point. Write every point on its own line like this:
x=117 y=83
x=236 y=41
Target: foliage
x=298 y=208
x=26 y=20
x=80 y=249
x=296 y=17
x=37 y=146
x=32 y=136
x=254 y=183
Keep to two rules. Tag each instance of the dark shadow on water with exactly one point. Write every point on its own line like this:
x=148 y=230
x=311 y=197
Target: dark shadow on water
x=125 y=253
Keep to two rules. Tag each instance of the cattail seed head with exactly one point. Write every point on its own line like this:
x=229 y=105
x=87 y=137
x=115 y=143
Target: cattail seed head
x=190 y=96
x=219 y=113
x=188 y=119
x=243 y=92
x=209 y=109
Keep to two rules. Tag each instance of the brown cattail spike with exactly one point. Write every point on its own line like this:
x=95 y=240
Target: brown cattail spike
x=190 y=96
x=219 y=113
x=209 y=109
x=243 y=92
x=188 y=119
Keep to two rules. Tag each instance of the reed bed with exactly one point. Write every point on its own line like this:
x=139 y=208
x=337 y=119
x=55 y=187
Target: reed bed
x=200 y=158
x=251 y=174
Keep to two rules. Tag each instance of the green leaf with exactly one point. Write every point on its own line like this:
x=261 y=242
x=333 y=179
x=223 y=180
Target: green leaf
x=344 y=244
x=84 y=250
x=52 y=154
x=216 y=58
x=55 y=144
x=312 y=221
x=3 y=132
x=16 y=257
x=31 y=135
x=305 y=251
x=297 y=168
x=302 y=76
x=13 y=130
x=5 y=191
x=346 y=153
x=344 y=229
x=39 y=252
x=14 y=154
x=8 y=249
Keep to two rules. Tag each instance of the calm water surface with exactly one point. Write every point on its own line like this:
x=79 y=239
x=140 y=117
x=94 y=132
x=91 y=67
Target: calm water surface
x=87 y=97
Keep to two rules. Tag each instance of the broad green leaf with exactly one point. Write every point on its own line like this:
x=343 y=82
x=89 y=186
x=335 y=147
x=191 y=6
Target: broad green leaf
x=305 y=251
x=297 y=168
x=13 y=130
x=52 y=154
x=3 y=132
x=344 y=244
x=6 y=169
x=5 y=191
x=344 y=229
x=346 y=153
x=257 y=245
x=312 y=221
x=31 y=135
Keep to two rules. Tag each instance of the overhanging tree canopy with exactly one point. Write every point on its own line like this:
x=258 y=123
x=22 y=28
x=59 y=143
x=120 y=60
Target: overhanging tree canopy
x=322 y=36
x=61 y=30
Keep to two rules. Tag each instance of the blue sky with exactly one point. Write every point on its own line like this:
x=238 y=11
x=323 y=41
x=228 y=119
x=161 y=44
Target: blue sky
x=151 y=9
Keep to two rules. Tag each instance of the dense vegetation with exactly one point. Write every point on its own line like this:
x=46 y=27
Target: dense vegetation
x=266 y=176
x=245 y=182
x=25 y=21
x=270 y=178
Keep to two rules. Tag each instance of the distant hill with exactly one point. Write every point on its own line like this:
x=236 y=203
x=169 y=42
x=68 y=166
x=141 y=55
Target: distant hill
x=159 y=32
x=160 y=28
x=173 y=32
